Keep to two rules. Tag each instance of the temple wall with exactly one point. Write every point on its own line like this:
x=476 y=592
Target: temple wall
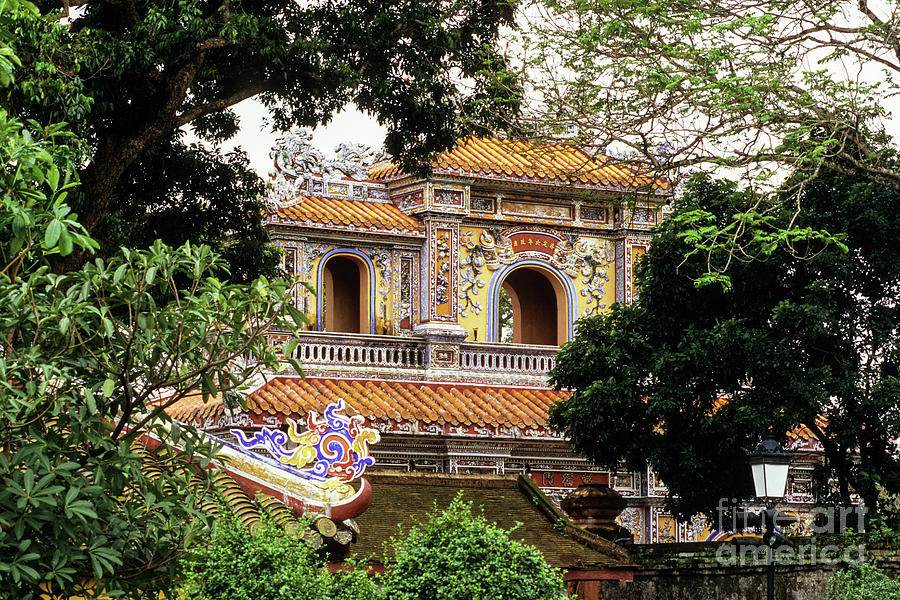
x=703 y=571
x=390 y=296
x=583 y=270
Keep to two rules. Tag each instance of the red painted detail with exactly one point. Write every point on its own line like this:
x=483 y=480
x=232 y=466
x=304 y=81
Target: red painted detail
x=355 y=505
x=533 y=242
x=599 y=575
x=348 y=508
x=558 y=479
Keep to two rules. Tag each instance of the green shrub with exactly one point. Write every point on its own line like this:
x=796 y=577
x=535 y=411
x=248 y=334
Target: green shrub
x=267 y=564
x=862 y=581
x=458 y=555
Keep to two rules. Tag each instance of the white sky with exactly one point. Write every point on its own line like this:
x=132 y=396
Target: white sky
x=256 y=138
x=351 y=125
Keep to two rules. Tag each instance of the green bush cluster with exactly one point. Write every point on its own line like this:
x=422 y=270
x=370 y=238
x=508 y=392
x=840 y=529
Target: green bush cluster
x=268 y=563
x=862 y=581
x=454 y=555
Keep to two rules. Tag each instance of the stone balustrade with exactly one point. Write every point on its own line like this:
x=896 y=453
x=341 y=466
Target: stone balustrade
x=506 y=358
x=353 y=350
x=323 y=353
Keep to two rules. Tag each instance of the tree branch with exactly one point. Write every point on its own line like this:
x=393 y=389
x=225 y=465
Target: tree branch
x=222 y=103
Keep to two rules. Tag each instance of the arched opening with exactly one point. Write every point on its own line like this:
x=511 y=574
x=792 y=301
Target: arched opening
x=345 y=293
x=537 y=306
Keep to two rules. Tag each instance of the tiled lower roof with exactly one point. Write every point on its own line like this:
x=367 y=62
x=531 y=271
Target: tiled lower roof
x=347 y=214
x=451 y=404
x=508 y=501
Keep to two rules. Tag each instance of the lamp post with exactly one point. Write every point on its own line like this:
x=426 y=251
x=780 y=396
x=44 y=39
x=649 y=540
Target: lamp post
x=769 y=463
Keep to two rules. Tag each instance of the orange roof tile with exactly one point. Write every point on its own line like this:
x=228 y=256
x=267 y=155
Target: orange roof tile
x=496 y=157
x=451 y=404
x=350 y=214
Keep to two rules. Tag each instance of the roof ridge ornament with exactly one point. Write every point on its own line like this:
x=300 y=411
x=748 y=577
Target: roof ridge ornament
x=300 y=168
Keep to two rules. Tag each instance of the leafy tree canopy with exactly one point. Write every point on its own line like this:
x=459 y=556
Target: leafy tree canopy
x=125 y=75
x=751 y=86
x=795 y=342
x=85 y=507
x=457 y=555
x=179 y=193
x=862 y=581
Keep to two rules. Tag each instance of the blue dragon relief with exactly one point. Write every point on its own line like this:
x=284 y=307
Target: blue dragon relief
x=334 y=447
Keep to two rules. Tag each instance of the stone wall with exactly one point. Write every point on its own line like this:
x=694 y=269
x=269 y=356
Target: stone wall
x=696 y=572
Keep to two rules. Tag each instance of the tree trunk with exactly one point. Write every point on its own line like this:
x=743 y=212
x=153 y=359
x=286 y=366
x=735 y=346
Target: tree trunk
x=120 y=146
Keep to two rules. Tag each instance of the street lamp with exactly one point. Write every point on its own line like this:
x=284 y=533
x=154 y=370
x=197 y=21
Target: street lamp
x=769 y=463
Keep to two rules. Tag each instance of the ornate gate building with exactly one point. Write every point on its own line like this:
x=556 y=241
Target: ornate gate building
x=437 y=305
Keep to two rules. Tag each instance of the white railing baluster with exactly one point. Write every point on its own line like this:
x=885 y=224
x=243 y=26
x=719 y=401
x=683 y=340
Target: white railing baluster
x=326 y=351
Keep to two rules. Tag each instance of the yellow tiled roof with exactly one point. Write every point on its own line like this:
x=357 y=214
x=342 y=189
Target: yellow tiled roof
x=508 y=159
x=451 y=404
x=354 y=214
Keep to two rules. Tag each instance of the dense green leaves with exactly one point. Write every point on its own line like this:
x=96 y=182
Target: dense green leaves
x=688 y=377
x=862 y=581
x=268 y=563
x=685 y=82
x=454 y=555
x=126 y=76
x=750 y=89
x=458 y=555
x=86 y=506
x=179 y=193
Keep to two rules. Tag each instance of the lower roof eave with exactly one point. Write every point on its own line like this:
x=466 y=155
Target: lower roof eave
x=625 y=573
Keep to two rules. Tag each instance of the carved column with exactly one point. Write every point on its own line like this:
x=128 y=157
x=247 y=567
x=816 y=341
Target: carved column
x=443 y=207
x=634 y=240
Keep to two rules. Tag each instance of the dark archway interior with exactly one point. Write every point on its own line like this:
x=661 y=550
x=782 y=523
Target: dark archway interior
x=343 y=303
x=535 y=307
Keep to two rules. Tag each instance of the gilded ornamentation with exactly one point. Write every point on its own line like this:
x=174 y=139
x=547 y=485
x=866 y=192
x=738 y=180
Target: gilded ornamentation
x=353 y=160
x=471 y=266
x=442 y=283
x=632 y=519
x=333 y=450
x=311 y=252
x=406 y=290
x=587 y=260
x=295 y=158
x=382 y=260
x=594 y=278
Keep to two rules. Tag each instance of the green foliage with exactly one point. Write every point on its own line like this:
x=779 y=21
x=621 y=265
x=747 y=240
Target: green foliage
x=792 y=342
x=505 y=316
x=862 y=581
x=674 y=86
x=84 y=508
x=179 y=193
x=126 y=76
x=720 y=82
x=86 y=354
x=457 y=555
x=890 y=509
x=267 y=563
